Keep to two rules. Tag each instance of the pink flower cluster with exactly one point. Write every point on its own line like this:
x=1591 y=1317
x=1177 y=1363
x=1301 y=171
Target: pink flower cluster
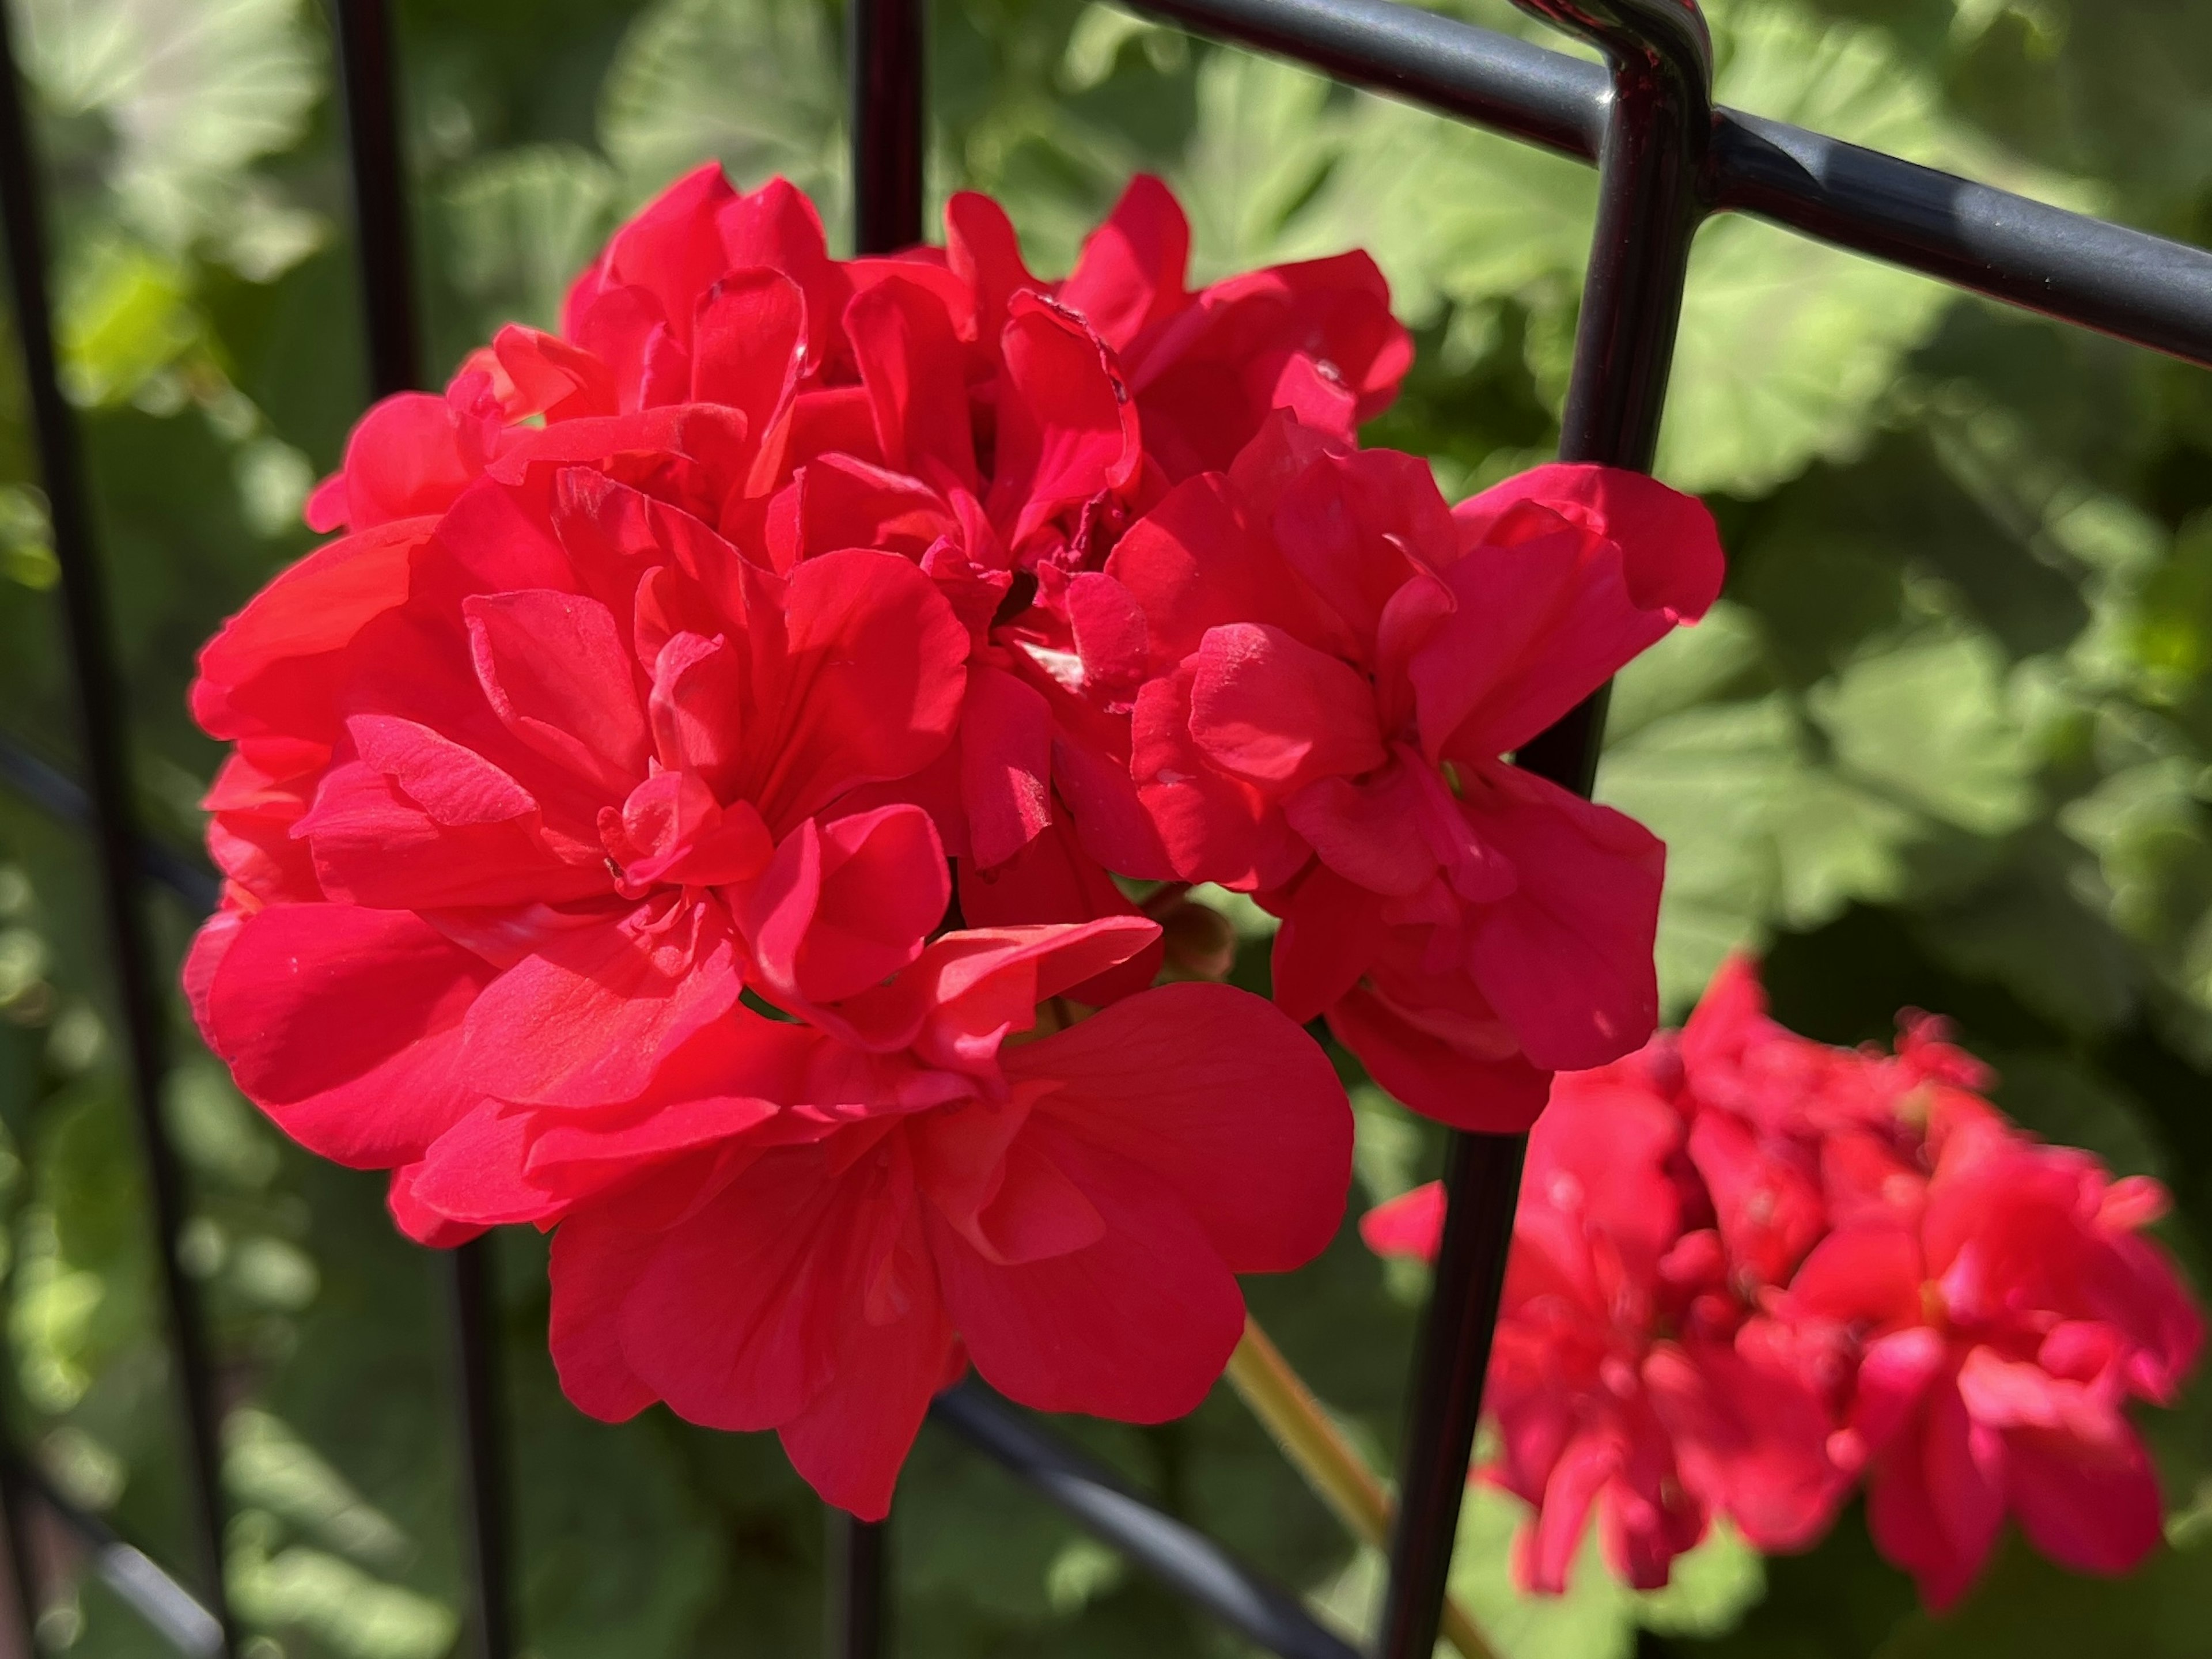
x=1751 y=1271
x=682 y=810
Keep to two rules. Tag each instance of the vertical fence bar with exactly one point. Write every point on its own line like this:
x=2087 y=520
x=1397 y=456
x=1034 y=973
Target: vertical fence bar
x=383 y=246
x=886 y=52
x=383 y=241
x=22 y=1591
x=104 y=730
x=857 y=1560
x=1650 y=200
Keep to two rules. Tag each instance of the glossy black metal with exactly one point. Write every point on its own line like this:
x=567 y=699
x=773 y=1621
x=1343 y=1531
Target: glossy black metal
x=22 y=1591
x=383 y=253
x=887 y=55
x=856 y=1556
x=889 y=140
x=24 y=1594
x=1649 y=206
x=1482 y=1179
x=2119 y=282
x=1475 y=74
x=1178 y=1554
x=2124 y=282
x=472 y=1310
x=382 y=236
x=104 y=732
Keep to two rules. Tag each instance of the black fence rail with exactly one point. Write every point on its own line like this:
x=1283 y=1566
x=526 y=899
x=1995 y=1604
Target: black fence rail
x=1667 y=159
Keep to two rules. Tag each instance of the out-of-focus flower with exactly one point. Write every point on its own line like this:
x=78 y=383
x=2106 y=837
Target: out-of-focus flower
x=1998 y=1334
x=1621 y=1379
x=1749 y=1269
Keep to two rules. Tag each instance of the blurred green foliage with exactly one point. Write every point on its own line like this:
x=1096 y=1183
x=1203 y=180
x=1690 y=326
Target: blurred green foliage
x=1945 y=743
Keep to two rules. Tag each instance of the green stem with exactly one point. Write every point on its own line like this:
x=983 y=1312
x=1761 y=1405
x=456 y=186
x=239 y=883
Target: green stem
x=1332 y=1465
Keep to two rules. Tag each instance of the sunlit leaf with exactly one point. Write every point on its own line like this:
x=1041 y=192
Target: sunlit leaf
x=357 y=1615
x=751 y=83
x=523 y=223
x=1710 y=783
x=1786 y=346
x=193 y=90
x=1266 y=140
x=267 y=1465
x=126 y=314
x=1927 y=723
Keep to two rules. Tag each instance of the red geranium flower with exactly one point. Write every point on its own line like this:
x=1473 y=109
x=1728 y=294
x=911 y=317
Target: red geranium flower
x=497 y=771
x=1334 y=663
x=792 y=1232
x=1625 y=1379
x=596 y=723
x=2000 y=1333
x=1749 y=1268
x=949 y=405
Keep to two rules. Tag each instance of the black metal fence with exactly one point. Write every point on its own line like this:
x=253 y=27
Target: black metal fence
x=1667 y=159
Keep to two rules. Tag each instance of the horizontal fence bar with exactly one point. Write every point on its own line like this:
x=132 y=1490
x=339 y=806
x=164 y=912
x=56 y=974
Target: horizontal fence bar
x=178 y=1616
x=2120 y=282
x=2137 y=287
x=1471 y=74
x=61 y=797
x=1178 y=1554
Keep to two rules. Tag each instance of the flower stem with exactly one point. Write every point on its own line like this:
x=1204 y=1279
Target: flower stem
x=1318 y=1449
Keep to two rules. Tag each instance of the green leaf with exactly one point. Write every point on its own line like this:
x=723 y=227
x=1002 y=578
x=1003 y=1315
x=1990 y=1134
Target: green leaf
x=753 y=83
x=2067 y=1103
x=1761 y=832
x=357 y=1615
x=1450 y=212
x=1710 y=783
x=193 y=90
x=2028 y=1608
x=1787 y=347
x=126 y=314
x=1838 y=843
x=2145 y=823
x=1927 y=723
x=2028 y=928
x=1711 y=1587
x=267 y=1466
x=1598 y=1617
x=1689 y=666
x=1266 y=138
x=523 y=223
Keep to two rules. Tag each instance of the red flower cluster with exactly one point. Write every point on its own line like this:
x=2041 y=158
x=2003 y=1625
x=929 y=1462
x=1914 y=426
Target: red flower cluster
x=1750 y=1270
x=665 y=810
x=1334 y=665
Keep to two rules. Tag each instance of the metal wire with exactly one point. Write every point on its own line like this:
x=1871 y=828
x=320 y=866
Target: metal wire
x=2124 y=282
x=383 y=254
x=171 y=1611
x=1175 y=1551
x=1649 y=208
x=103 y=732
